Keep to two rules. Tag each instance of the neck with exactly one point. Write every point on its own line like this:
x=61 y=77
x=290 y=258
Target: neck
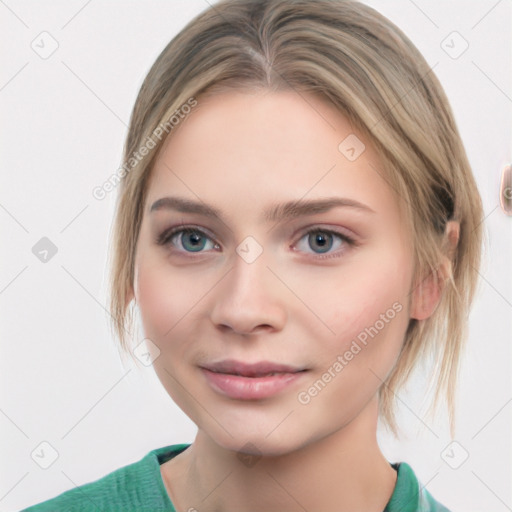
x=343 y=472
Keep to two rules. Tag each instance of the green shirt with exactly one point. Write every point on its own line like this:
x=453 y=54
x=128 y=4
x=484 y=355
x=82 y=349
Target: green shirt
x=139 y=487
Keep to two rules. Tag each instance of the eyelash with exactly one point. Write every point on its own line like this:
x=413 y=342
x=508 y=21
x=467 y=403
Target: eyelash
x=165 y=239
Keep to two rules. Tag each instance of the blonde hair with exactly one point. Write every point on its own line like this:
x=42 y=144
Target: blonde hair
x=355 y=58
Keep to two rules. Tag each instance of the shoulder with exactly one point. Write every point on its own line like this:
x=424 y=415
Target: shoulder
x=137 y=486
x=410 y=494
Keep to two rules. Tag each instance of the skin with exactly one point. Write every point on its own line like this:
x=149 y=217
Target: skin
x=242 y=152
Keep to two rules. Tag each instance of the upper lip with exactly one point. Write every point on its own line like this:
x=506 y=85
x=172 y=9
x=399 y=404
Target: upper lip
x=250 y=370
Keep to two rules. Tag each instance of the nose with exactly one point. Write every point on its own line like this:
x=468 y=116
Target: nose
x=249 y=300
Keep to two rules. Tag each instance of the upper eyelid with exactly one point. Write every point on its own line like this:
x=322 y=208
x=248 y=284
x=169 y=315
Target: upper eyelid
x=172 y=232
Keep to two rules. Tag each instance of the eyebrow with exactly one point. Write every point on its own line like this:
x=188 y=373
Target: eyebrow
x=275 y=213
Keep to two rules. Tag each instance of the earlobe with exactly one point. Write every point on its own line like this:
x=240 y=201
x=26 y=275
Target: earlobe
x=426 y=296
x=131 y=292
x=428 y=292
x=129 y=297
x=451 y=239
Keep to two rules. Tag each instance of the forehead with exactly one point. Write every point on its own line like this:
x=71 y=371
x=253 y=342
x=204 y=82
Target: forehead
x=247 y=148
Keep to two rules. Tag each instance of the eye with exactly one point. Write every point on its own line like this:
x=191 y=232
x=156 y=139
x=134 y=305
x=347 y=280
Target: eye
x=188 y=239
x=323 y=240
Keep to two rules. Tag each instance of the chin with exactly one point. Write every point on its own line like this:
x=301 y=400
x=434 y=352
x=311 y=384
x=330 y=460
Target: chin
x=258 y=444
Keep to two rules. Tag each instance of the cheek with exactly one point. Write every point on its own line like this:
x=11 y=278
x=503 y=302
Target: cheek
x=359 y=357
x=365 y=306
x=164 y=298
x=372 y=334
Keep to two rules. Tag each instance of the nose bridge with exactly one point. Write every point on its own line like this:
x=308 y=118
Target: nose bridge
x=250 y=295
x=249 y=280
x=249 y=274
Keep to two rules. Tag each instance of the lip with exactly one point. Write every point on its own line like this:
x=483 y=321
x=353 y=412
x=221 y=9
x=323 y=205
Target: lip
x=243 y=381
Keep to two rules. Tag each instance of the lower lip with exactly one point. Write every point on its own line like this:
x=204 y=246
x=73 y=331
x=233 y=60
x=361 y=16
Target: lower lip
x=249 y=388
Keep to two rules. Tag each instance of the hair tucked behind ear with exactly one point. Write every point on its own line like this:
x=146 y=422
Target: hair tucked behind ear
x=359 y=61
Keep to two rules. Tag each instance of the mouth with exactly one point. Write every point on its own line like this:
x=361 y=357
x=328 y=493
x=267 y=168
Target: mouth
x=242 y=381
x=255 y=370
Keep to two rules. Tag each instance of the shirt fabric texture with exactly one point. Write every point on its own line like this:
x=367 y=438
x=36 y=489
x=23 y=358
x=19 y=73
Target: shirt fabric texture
x=138 y=487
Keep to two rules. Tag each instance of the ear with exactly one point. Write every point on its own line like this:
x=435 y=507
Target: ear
x=130 y=296
x=131 y=293
x=427 y=293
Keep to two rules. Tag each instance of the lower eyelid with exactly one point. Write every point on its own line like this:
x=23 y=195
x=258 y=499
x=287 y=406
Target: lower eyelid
x=166 y=237
x=345 y=241
x=179 y=232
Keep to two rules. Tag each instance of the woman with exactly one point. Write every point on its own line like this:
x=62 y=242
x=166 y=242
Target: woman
x=297 y=224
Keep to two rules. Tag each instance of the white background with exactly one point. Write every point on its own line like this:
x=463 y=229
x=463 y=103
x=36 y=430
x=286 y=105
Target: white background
x=64 y=120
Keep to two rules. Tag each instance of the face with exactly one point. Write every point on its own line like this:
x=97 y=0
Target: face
x=271 y=325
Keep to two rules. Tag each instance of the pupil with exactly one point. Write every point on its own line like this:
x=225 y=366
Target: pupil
x=194 y=239
x=321 y=240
